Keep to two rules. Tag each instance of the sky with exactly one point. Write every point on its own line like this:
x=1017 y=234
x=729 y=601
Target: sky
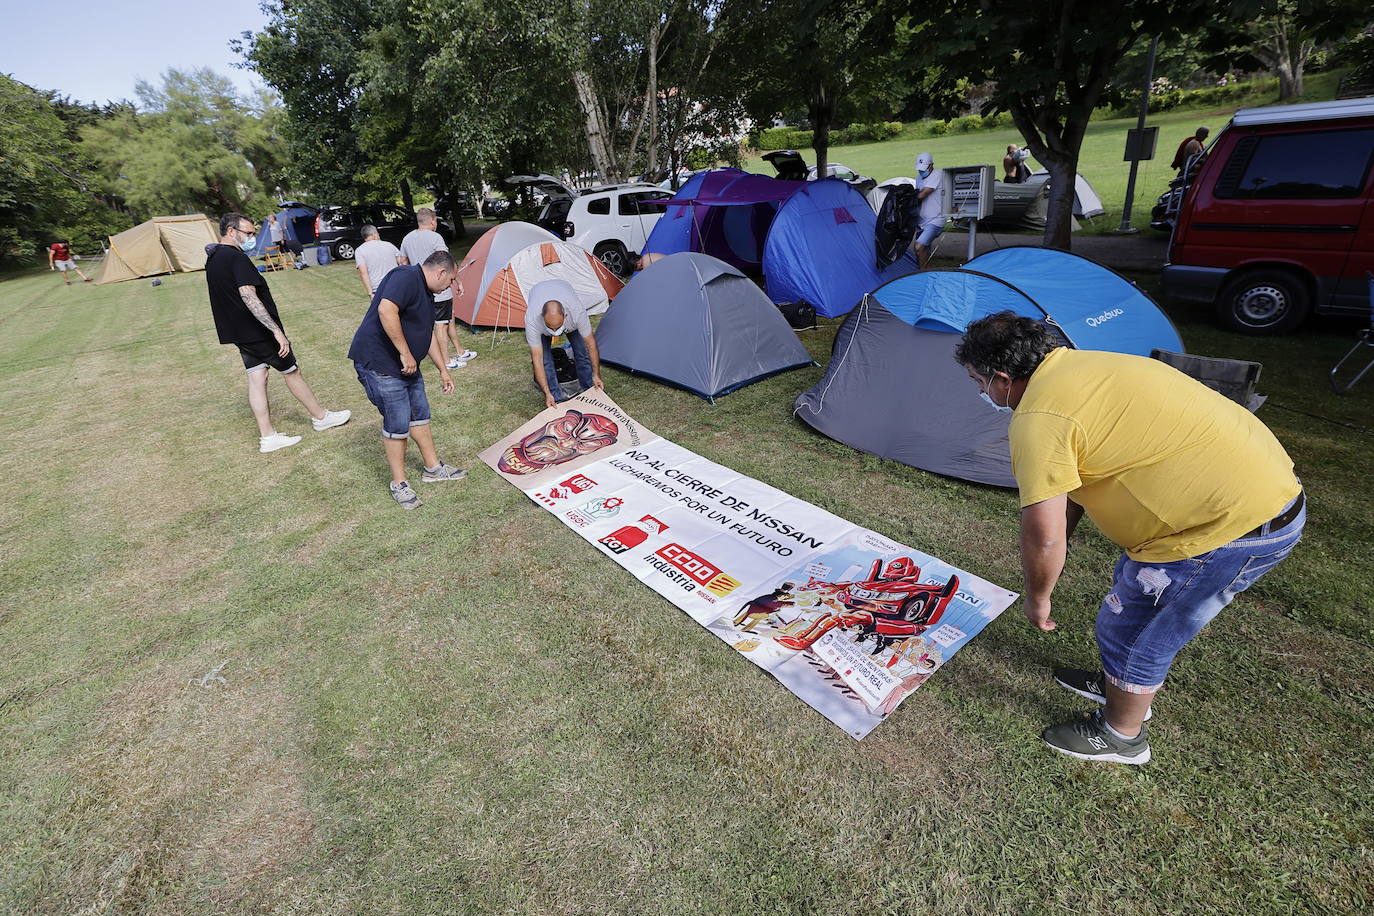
x=98 y=51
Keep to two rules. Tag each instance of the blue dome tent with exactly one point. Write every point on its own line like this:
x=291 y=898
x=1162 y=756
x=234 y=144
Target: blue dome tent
x=297 y=223
x=812 y=240
x=893 y=389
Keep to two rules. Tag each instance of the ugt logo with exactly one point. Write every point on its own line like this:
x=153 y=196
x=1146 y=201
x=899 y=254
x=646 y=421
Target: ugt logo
x=702 y=571
x=566 y=489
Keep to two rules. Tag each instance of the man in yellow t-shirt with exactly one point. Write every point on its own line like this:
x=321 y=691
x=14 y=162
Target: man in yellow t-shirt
x=1197 y=491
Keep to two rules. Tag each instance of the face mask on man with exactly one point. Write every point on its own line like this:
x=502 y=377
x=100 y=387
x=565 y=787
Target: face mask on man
x=995 y=406
x=249 y=243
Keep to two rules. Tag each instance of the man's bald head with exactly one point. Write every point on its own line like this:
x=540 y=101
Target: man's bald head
x=554 y=315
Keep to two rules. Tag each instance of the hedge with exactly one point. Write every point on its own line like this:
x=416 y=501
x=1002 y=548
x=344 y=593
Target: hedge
x=774 y=138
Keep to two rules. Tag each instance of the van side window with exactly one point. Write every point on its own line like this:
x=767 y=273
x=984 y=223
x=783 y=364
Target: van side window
x=644 y=204
x=1324 y=164
x=600 y=206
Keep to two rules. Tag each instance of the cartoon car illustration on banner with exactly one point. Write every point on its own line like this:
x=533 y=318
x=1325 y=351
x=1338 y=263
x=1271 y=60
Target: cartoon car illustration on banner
x=888 y=606
x=570 y=436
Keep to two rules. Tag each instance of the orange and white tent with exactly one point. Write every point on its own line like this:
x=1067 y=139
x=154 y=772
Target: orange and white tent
x=506 y=263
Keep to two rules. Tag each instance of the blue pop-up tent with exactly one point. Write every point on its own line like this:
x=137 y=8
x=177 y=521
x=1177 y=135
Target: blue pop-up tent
x=893 y=389
x=812 y=240
x=297 y=222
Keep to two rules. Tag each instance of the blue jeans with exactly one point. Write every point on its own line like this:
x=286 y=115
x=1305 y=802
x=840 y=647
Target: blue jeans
x=1155 y=609
x=401 y=400
x=581 y=361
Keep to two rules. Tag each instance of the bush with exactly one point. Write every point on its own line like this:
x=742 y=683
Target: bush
x=938 y=128
x=783 y=138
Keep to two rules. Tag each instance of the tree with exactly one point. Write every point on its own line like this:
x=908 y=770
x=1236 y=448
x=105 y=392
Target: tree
x=188 y=149
x=45 y=181
x=1049 y=61
x=825 y=53
x=1282 y=35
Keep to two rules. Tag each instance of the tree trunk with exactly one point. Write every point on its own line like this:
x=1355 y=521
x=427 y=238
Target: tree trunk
x=1056 y=145
x=597 y=143
x=407 y=200
x=821 y=110
x=653 y=101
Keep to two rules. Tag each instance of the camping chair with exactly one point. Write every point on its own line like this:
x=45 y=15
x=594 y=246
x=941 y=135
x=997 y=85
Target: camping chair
x=1365 y=339
x=278 y=258
x=1234 y=378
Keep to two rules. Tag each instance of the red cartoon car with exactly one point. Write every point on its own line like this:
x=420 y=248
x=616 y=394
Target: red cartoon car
x=889 y=606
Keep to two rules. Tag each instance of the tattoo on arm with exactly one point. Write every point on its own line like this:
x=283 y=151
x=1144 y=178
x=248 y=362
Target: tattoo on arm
x=250 y=299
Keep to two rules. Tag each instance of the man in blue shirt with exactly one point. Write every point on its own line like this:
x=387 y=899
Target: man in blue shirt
x=399 y=324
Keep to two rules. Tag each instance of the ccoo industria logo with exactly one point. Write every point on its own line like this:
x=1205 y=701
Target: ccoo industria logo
x=702 y=571
x=1105 y=317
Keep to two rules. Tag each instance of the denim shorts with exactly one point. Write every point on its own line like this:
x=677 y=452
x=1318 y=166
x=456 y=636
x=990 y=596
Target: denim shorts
x=929 y=234
x=401 y=400
x=1155 y=609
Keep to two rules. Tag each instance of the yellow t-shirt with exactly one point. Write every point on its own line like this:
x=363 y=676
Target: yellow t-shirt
x=1165 y=466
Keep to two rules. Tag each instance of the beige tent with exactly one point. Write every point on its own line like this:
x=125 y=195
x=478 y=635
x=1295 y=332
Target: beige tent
x=161 y=245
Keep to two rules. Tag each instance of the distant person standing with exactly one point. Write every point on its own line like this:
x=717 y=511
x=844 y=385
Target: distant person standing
x=418 y=245
x=278 y=237
x=375 y=259
x=1014 y=168
x=60 y=259
x=932 y=196
x=246 y=316
x=395 y=334
x=1189 y=148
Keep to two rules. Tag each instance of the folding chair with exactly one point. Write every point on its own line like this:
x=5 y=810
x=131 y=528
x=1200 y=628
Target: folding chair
x=1365 y=339
x=278 y=258
x=1234 y=378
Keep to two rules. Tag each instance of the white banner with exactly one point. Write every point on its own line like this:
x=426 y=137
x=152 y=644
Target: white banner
x=850 y=621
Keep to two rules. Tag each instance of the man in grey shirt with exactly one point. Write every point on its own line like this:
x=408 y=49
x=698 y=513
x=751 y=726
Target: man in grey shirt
x=553 y=309
x=415 y=247
x=375 y=259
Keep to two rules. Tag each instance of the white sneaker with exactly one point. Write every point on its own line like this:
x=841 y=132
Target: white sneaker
x=331 y=419
x=275 y=441
x=468 y=356
x=456 y=363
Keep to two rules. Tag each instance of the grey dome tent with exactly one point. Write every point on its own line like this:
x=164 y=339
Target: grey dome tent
x=892 y=387
x=694 y=321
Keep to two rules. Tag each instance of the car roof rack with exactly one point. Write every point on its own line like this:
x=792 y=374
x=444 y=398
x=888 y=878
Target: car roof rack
x=1312 y=111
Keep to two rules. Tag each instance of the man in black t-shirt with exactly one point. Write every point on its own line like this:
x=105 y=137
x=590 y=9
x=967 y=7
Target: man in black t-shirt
x=395 y=334
x=246 y=317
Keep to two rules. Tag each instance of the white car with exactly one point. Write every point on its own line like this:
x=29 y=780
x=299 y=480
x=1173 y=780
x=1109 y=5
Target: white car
x=612 y=221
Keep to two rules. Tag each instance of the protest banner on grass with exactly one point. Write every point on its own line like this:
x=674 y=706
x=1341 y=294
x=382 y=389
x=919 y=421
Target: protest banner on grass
x=849 y=620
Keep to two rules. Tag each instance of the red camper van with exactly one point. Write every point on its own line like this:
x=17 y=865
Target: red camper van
x=1278 y=218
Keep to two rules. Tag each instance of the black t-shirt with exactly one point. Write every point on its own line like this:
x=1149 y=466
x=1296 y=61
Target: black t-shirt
x=226 y=269
x=371 y=348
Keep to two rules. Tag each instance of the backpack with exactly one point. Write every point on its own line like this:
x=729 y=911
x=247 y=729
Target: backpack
x=801 y=315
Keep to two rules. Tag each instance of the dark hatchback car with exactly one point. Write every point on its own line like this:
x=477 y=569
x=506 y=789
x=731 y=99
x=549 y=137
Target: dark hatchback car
x=341 y=228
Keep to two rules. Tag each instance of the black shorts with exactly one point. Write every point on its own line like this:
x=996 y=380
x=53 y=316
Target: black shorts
x=443 y=311
x=264 y=353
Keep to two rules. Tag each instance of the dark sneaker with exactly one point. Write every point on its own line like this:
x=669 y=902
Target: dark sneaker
x=405 y=497
x=443 y=472
x=1090 y=739
x=1090 y=684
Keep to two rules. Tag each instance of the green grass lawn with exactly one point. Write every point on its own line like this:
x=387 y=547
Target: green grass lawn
x=465 y=709
x=1100 y=161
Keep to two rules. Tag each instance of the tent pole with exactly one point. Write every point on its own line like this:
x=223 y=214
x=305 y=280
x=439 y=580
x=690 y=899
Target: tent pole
x=972 y=239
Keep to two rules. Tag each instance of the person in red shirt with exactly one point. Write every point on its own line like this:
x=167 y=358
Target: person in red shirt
x=60 y=259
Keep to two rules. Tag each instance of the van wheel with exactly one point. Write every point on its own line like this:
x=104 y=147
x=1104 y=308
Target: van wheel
x=615 y=257
x=1264 y=303
x=343 y=251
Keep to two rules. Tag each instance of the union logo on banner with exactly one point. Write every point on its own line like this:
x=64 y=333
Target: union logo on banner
x=566 y=490
x=702 y=571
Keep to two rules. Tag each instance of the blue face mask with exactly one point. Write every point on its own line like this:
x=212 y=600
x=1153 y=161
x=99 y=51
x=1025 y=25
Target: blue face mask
x=995 y=406
x=924 y=173
x=250 y=243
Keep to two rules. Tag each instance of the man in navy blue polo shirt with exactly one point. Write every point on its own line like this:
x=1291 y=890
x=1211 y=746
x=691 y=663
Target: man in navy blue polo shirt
x=398 y=325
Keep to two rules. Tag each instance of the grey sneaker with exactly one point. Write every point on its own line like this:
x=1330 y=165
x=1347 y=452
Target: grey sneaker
x=1088 y=684
x=405 y=497
x=1090 y=739
x=443 y=472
